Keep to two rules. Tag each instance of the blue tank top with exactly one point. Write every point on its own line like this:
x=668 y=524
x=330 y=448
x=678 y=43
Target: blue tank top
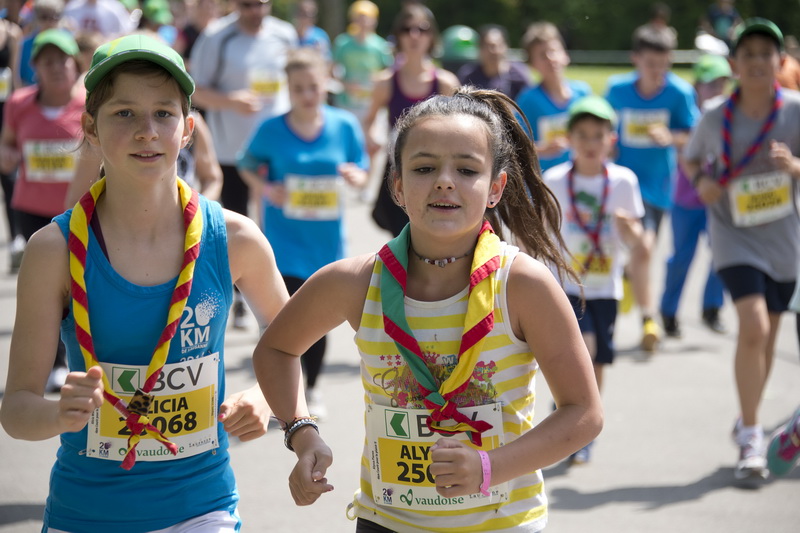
x=399 y=102
x=93 y=494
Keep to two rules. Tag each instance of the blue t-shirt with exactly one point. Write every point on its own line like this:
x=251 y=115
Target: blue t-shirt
x=549 y=119
x=308 y=232
x=26 y=72
x=95 y=494
x=673 y=106
x=316 y=38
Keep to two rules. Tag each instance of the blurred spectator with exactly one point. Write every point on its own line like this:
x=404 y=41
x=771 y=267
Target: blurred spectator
x=200 y=13
x=109 y=17
x=789 y=75
x=546 y=105
x=660 y=13
x=304 y=18
x=10 y=37
x=358 y=55
x=88 y=41
x=40 y=134
x=414 y=78
x=494 y=70
x=459 y=47
x=720 y=19
x=46 y=14
x=157 y=17
x=238 y=66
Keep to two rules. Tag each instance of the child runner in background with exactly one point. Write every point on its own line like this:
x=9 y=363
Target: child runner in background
x=494 y=69
x=138 y=277
x=359 y=54
x=41 y=130
x=601 y=208
x=688 y=216
x=310 y=153
x=656 y=109
x=545 y=105
x=742 y=160
x=449 y=339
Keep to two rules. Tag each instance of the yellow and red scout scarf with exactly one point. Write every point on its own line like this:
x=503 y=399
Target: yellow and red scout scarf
x=136 y=411
x=478 y=322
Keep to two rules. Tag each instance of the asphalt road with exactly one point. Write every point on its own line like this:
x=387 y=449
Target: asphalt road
x=663 y=463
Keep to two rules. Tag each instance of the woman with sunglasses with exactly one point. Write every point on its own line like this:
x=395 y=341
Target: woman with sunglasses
x=413 y=78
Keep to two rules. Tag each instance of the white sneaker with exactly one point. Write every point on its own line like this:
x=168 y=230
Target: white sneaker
x=57 y=378
x=752 y=464
x=316 y=406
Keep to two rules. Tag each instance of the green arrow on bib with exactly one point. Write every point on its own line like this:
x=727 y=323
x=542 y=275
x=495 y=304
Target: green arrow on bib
x=397 y=424
x=124 y=380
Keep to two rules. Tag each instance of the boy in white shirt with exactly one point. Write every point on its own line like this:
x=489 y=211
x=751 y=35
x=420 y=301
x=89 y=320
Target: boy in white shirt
x=601 y=207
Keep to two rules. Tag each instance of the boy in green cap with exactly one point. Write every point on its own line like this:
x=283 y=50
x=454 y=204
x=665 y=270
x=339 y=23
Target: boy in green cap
x=601 y=208
x=742 y=159
x=144 y=268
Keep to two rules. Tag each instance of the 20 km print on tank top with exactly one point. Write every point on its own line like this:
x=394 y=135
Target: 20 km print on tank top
x=184 y=410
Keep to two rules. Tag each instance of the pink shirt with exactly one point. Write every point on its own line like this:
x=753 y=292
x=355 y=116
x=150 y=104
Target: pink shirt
x=48 y=148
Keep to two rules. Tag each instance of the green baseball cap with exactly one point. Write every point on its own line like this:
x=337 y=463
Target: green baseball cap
x=460 y=42
x=62 y=39
x=757 y=25
x=711 y=67
x=137 y=47
x=594 y=105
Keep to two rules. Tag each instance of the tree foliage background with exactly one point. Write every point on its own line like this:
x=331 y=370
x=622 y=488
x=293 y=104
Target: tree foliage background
x=586 y=24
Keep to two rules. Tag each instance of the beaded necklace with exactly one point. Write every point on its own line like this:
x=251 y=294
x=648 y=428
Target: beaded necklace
x=728 y=172
x=593 y=232
x=136 y=410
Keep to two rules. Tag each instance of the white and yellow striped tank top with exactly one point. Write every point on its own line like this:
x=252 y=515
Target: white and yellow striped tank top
x=504 y=373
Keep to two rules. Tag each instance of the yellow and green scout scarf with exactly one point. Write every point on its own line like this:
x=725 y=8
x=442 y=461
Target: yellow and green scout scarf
x=478 y=322
x=136 y=411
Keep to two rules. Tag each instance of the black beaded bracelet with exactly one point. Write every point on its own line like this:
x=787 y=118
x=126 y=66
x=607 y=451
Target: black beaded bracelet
x=296 y=424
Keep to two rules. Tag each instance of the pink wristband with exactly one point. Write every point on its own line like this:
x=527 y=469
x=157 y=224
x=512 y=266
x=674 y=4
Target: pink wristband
x=486 y=466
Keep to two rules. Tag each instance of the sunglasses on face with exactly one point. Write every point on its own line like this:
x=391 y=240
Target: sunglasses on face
x=253 y=5
x=408 y=30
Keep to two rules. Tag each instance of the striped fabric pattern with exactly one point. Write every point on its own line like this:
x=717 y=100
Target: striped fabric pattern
x=504 y=372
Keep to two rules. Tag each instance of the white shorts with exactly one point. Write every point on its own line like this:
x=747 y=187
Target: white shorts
x=214 y=522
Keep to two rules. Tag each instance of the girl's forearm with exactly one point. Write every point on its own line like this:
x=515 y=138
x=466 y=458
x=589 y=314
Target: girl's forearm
x=28 y=416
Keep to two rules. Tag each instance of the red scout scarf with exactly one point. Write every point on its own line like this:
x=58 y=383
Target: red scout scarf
x=136 y=411
x=729 y=172
x=592 y=232
x=478 y=322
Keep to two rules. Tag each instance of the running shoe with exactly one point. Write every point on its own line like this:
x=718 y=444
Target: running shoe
x=712 y=321
x=784 y=447
x=671 y=326
x=651 y=334
x=752 y=465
